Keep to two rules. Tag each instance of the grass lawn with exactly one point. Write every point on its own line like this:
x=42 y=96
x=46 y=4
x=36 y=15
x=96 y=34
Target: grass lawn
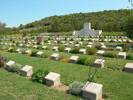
x=117 y=85
x=15 y=87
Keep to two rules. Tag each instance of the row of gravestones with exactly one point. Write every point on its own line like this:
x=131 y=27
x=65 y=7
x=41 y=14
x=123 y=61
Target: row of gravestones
x=105 y=39
x=64 y=37
x=90 y=44
x=90 y=90
x=99 y=63
x=122 y=55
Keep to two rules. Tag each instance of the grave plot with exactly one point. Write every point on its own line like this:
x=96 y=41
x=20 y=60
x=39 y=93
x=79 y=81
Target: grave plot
x=92 y=91
x=129 y=67
x=71 y=75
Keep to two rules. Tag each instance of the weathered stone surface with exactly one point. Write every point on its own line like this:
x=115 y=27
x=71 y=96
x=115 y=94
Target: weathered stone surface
x=92 y=91
x=52 y=79
x=26 y=71
x=129 y=67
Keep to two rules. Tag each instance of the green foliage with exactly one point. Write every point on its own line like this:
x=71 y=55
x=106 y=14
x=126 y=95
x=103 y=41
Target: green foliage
x=39 y=47
x=82 y=60
x=130 y=56
x=129 y=26
x=15 y=68
x=113 y=34
x=61 y=48
x=110 y=54
x=110 y=21
x=75 y=88
x=34 y=53
x=86 y=61
x=89 y=61
x=91 y=51
x=44 y=55
x=39 y=75
x=75 y=50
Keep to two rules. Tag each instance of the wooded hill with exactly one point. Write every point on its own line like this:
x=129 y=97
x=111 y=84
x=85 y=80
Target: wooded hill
x=113 y=20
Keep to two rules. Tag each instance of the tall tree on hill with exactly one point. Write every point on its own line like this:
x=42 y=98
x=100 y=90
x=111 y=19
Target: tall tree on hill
x=129 y=23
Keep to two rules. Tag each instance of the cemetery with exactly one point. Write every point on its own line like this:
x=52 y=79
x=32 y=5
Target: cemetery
x=57 y=56
x=78 y=56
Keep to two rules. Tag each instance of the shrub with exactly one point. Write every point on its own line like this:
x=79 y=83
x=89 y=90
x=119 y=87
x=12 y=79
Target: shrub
x=65 y=60
x=15 y=68
x=39 y=75
x=110 y=54
x=91 y=51
x=61 y=48
x=130 y=56
x=89 y=61
x=39 y=47
x=75 y=50
x=75 y=88
x=44 y=55
x=34 y=52
x=82 y=60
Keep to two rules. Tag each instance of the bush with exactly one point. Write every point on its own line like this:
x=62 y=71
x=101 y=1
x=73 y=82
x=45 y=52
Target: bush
x=91 y=51
x=61 y=48
x=34 y=53
x=44 y=55
x=65 y=60
x=89 y=61
x=82 y=60
x=39 y=75
x=75 y=88
x=110 y=54
x=75 y=50
x=39 y=47
x=15 y=68
x=130 y=56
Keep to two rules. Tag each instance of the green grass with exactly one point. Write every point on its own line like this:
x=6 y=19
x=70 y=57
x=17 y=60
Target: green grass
x=117 y=85
x=15 y=87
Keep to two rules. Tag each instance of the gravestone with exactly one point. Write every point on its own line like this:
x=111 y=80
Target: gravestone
x=26 y=71
x=74 y=59
x=55 y=56
x=92 y=91
x=52 y=79
x=122 y=55
x=99 y=63
x=129 y=67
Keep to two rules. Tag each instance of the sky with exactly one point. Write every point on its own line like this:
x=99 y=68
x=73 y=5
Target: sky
x=16 y=12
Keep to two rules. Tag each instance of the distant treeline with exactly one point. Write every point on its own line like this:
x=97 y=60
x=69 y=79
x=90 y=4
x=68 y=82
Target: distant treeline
x=107 y=21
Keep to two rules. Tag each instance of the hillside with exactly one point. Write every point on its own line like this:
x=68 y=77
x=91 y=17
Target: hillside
x=112 y=20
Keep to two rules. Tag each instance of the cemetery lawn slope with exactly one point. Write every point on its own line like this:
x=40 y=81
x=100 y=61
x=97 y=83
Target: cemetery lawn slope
x=15 y=87
x=117 y=85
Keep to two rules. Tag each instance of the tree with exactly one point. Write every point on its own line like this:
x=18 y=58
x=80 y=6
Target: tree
x=129 y=26
x=129 y=22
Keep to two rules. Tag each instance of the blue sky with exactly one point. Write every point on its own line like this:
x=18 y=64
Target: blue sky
x=15 y=12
